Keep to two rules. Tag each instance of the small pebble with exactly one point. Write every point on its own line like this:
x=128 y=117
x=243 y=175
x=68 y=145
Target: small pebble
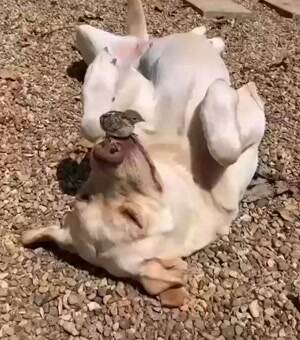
x=69 y=327
x=254 y=309
x=93 y=306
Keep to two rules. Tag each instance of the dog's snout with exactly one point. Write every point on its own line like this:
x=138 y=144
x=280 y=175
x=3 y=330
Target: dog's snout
x=114 y=149
x=110 y=153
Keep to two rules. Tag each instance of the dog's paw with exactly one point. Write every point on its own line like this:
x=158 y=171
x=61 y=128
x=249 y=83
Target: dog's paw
x=218 y=44
x=201 y=30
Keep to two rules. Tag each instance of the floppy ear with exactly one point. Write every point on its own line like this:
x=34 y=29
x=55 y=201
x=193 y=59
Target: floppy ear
x=129 y=53
x=133 y=212
x=218 y=114
x=159 y=275
x=173 y=297
x=90 y=41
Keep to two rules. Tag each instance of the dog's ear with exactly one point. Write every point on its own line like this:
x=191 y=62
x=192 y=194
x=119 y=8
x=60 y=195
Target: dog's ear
x=173 y=297
x=159 y=275
x=129 y=53
x=134 y=213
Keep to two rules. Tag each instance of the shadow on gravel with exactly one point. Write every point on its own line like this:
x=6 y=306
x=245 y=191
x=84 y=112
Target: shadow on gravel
x=77 y=70
x=78 y=263
x=71 y=174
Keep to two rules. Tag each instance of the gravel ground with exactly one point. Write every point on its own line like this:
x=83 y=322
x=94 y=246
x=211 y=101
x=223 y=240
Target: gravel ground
x=245 y=286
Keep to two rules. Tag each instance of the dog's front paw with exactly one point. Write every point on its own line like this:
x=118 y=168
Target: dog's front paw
x=201 y=30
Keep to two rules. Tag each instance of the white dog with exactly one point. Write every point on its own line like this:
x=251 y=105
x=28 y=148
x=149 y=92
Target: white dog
x=139 y=214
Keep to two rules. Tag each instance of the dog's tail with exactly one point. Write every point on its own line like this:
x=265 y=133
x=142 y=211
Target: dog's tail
x=136 y=22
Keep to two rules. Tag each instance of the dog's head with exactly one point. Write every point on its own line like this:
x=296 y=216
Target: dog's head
x=131 y=209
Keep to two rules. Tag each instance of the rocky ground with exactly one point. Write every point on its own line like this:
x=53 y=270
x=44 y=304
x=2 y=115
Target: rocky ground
x=245 y=286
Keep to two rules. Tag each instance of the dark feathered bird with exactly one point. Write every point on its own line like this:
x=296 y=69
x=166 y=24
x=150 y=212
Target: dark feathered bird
x=120 y=124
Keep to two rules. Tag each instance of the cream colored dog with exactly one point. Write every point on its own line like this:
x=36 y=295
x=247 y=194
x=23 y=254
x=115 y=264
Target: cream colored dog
x=141 y=211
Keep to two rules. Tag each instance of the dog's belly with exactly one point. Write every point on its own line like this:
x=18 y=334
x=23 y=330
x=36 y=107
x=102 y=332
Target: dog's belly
x=180 y=67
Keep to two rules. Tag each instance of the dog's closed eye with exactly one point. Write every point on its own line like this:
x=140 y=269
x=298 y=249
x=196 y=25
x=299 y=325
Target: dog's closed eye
x=132 y=215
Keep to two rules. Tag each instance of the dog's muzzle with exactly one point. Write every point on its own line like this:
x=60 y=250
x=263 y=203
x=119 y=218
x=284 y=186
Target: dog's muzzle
x=113 y=151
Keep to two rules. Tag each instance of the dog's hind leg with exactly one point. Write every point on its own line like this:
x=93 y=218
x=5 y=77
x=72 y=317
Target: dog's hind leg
x=218 y=114
x=54 y=233
x=200 y=30
x=218 y=44
x=232 y=120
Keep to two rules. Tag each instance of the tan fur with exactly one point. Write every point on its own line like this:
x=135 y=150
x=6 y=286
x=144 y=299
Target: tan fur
x=124 y=198
x=158 y=275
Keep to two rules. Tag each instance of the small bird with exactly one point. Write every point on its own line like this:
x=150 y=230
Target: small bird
x=120 y=124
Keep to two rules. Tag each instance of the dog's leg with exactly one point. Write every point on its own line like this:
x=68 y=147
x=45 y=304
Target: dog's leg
x=56 y=234
x=251 y=117
x=201 y=30
x=218 y=44
x=169 y=111
x=232 y=120
x=218 y=114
